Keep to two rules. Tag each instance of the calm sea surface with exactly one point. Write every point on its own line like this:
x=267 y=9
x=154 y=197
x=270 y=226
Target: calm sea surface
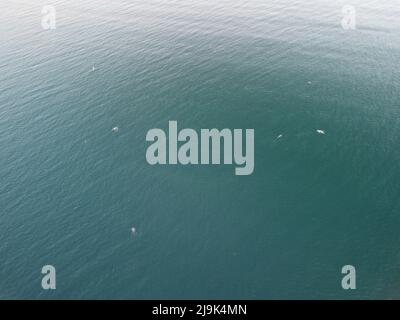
x=71 y=189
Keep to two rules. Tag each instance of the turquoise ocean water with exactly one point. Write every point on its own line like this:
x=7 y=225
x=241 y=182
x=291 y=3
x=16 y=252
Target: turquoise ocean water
x=71 y=188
